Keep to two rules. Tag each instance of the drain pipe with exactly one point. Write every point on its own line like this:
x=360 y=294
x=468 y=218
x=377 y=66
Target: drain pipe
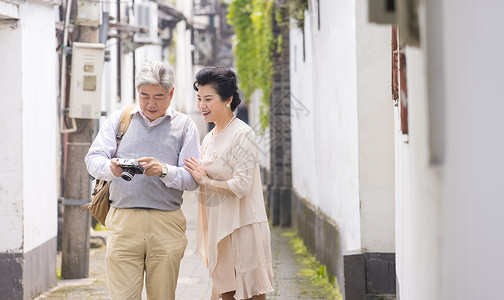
x=63 y=73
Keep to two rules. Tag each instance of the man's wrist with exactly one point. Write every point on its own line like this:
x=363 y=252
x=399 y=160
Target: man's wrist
x=164 y=170
x=108 y=170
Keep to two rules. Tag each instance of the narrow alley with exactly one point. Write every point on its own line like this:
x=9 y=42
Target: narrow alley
x=194 y=282
x=376 y=131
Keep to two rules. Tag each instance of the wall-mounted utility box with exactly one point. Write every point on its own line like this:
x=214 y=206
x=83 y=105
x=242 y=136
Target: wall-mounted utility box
x=89 y=13
x=86 y=80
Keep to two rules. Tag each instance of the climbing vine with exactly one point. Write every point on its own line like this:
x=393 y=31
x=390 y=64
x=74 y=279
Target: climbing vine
x=253 y=48
x=255 y=43
x=297 y=10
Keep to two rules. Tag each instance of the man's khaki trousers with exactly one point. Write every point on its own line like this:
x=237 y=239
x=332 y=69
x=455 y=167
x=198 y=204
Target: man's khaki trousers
x=144 y=240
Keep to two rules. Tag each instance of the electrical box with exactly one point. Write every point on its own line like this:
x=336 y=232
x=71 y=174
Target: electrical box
x=86 y=80
x=146 y=15
x=89 y=13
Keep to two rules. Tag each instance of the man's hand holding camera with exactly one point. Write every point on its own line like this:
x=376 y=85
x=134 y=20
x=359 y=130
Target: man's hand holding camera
x=127 y=168
x=151 y=165
x=115 y=168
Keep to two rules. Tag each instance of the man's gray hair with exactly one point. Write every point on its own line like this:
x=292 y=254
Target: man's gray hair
x=155 y=72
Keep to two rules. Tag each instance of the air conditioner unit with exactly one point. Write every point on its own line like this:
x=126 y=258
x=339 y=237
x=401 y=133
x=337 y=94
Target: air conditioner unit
x=146 y=16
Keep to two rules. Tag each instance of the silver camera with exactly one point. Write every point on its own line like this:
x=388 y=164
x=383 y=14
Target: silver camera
x=131 y=167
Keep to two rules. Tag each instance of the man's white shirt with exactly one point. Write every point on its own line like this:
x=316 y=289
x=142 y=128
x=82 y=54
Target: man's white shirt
x=104 y=146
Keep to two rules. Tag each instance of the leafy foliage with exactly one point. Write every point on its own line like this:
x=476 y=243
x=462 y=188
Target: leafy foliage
x=254 y=45
x=327 y=288
x=297 y=9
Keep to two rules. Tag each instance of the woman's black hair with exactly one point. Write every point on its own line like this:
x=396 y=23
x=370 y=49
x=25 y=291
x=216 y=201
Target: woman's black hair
x=223 y=80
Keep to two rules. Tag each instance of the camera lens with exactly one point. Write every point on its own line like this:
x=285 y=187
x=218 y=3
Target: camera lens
x=128 y=174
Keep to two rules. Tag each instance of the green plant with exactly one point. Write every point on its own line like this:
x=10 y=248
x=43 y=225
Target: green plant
x=255 y=43
x=253 y=49
x=293 y=9
x=327 y=288
x=297 y=10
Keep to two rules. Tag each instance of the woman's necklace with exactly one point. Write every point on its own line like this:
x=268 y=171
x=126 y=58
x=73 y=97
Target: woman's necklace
x=232 y=119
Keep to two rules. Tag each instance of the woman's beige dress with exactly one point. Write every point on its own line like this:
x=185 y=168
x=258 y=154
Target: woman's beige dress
x=233 y=233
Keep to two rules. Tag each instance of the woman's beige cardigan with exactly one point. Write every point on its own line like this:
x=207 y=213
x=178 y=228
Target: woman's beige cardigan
x=230 y=156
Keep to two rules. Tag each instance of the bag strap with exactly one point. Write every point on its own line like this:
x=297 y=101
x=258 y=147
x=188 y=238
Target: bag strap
x=121 y=130
x=123 y=124
x=186 y=125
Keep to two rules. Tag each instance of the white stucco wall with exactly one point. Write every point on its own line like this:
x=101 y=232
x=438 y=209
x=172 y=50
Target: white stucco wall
x=418 y=179
x=28 y=190
x=39 y=123
x=324 y=141
x=11 y=132
x=342 y=131
x=375 y=133
x=473 y=196
x=449 y=219
x=418 y=192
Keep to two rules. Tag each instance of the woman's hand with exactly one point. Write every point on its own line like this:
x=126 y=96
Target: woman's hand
x=197 y=171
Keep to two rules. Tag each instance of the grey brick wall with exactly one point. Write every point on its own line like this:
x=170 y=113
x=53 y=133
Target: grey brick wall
x=280 y=185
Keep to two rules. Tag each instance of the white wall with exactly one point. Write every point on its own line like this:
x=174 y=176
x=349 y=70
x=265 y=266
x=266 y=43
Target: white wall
x=449 y=203
x=418 y=192
x=324 y=142
x=11 y=132
x=28 y=189
x=375 y=133
x=473 y=196
x=39 y=123
x=342 y=131
x=418 y=179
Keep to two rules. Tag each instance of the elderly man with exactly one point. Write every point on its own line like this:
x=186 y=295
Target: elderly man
x=145 y=225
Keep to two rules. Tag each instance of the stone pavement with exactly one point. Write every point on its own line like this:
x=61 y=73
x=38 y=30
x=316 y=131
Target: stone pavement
x=193 y=283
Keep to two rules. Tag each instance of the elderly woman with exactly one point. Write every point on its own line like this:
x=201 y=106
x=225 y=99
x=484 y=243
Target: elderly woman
x=145 y=225
x=233 y=231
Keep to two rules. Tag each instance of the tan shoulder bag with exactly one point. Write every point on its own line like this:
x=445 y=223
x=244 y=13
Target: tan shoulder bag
x=100 y=203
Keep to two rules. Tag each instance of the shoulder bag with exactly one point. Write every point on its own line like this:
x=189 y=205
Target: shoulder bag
x=100 y=203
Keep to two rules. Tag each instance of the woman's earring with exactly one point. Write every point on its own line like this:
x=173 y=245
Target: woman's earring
x=228 y=105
